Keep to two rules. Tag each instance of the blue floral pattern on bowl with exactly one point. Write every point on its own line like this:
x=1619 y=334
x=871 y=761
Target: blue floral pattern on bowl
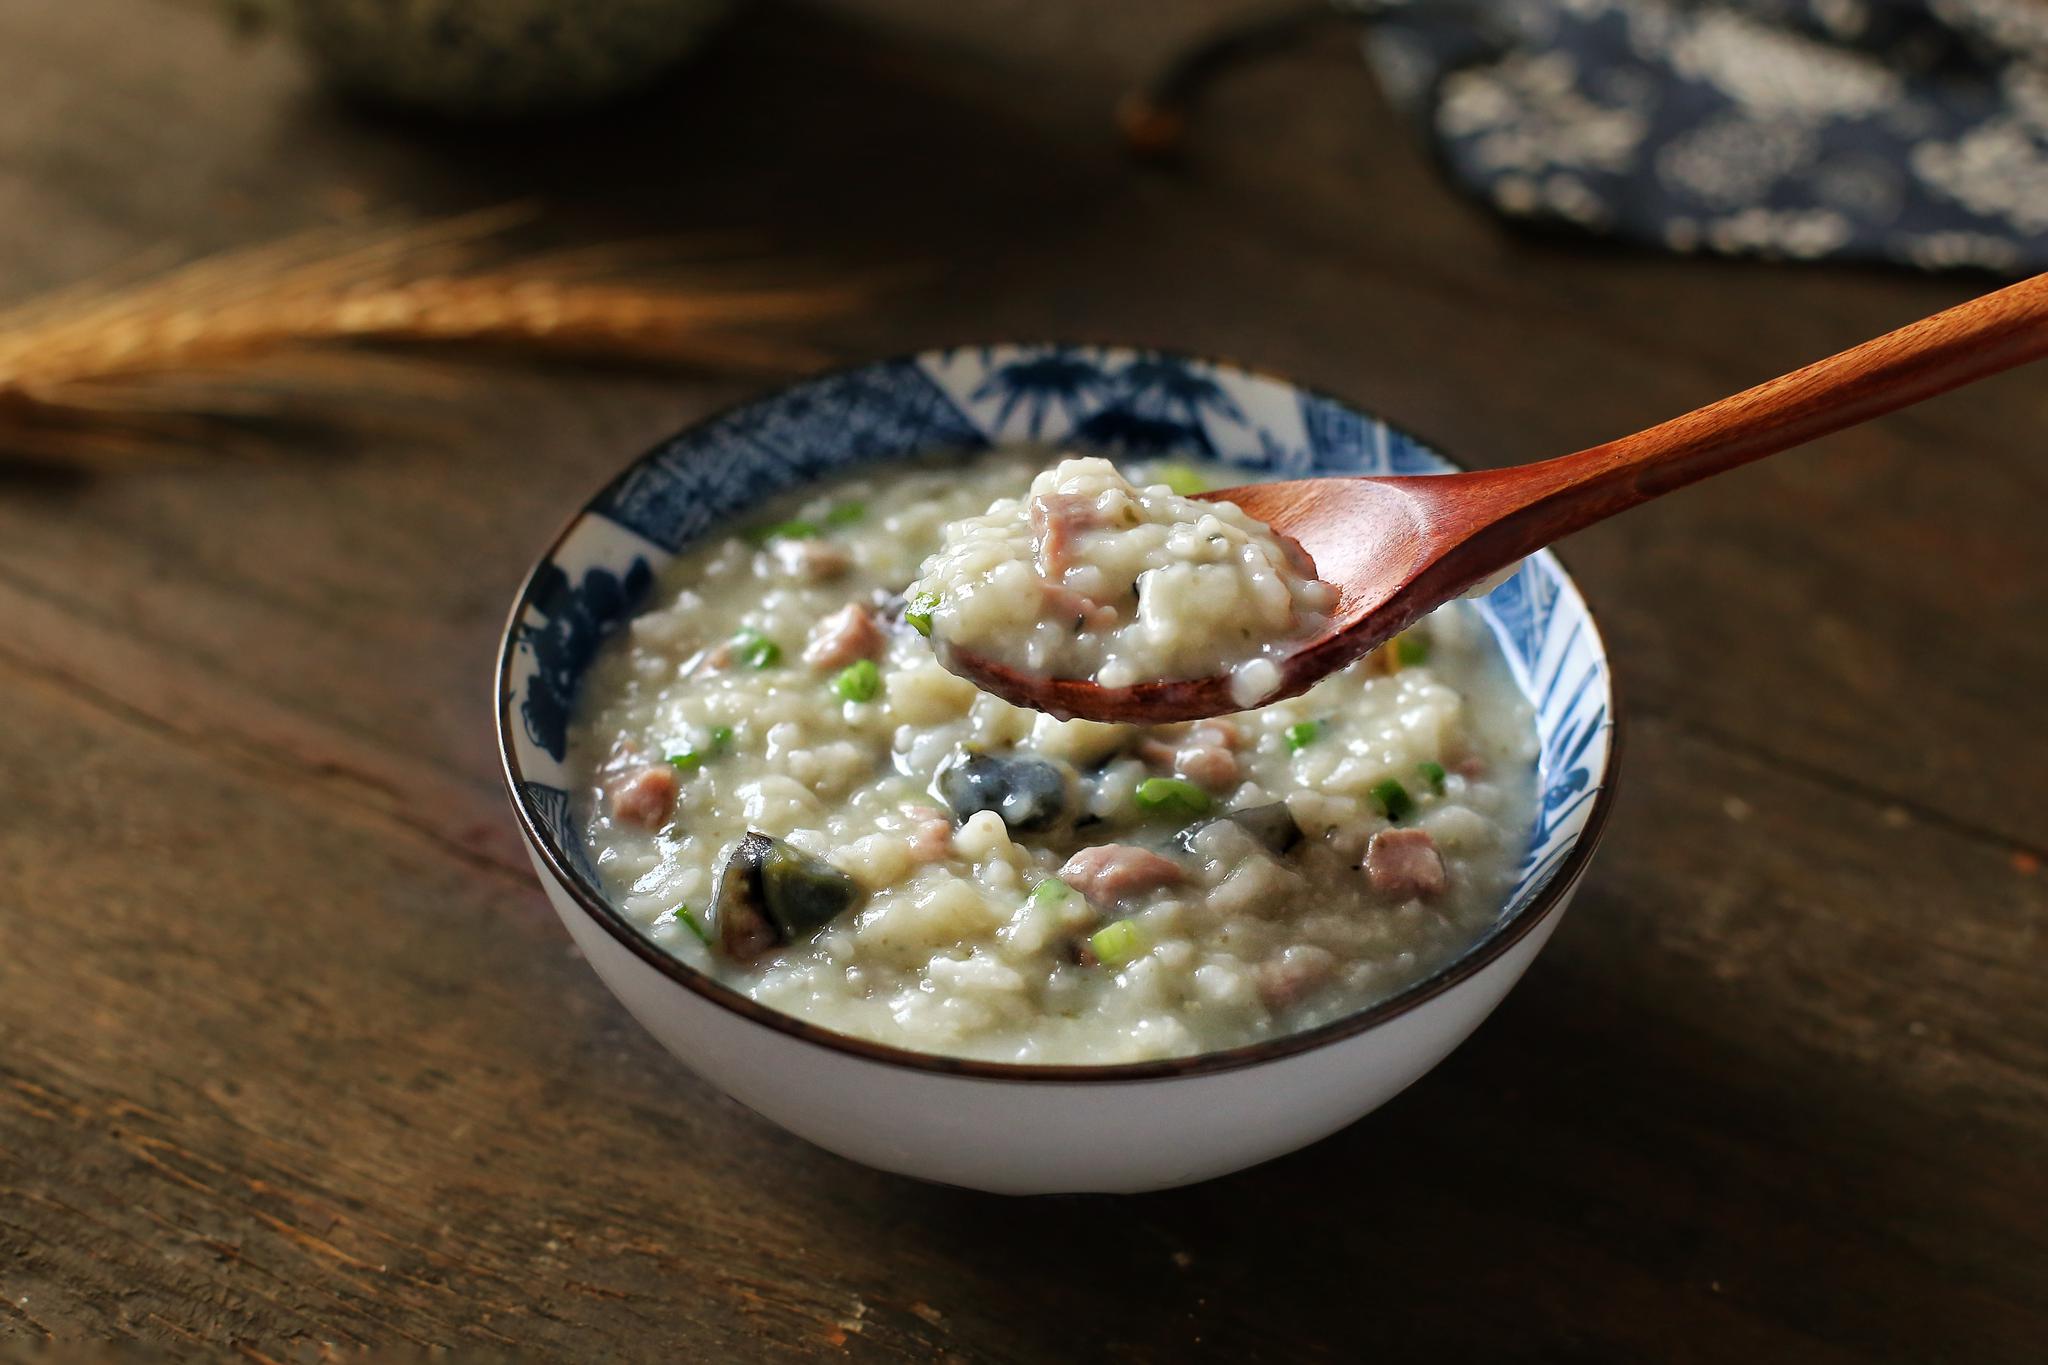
x=1109 y=399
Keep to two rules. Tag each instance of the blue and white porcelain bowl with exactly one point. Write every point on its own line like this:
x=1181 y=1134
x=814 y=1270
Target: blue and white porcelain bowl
x=996 y=1126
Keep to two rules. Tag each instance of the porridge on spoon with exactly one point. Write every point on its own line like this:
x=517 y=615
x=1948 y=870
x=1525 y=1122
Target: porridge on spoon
x=1089 y=576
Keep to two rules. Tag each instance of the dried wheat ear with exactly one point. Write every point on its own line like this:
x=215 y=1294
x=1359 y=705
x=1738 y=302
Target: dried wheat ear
x=209 y=356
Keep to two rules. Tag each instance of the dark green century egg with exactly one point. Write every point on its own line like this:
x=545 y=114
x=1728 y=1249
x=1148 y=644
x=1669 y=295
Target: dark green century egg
x=769 y=892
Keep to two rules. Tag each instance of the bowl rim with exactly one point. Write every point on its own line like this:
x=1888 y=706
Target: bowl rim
x=1467 y=964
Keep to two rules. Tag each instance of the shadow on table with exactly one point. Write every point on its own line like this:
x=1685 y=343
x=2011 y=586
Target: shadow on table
x=1586 y=1176
x=799 y=132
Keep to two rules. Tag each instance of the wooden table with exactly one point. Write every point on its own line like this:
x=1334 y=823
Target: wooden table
x=294 y=1060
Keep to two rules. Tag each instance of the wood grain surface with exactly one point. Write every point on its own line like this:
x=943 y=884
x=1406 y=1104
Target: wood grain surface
x=295 y=1061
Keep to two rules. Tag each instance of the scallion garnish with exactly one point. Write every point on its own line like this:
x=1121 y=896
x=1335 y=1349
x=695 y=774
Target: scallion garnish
x=1302 y=733
x=1410 y=649
x=846 y=513
x=1116 y=943
x=691 y=757
x=1180 y=479
x=784 y=530
x=1393 y=798
x=1171 y=796
x=1051 y=891
x=1432 y=773
x=756 y=650
x=861 y=681
x=686 y=918
x=918 y=612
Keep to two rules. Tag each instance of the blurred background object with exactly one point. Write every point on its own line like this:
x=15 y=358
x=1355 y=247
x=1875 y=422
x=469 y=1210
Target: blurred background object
x=489 y=58
x=1908 y=131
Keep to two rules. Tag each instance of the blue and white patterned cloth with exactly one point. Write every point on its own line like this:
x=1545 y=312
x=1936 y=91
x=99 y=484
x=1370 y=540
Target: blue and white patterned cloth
x=1910 y=131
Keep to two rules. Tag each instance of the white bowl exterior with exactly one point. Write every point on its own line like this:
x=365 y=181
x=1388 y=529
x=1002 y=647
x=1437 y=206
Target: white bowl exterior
x=1046 y=1137
x=1030 y=1136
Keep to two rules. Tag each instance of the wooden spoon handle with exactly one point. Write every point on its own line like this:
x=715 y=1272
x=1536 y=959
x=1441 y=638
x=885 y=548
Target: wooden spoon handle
x=1954 y=347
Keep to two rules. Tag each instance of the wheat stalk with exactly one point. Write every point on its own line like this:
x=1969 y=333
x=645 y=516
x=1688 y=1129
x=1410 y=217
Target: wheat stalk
x=186 y=359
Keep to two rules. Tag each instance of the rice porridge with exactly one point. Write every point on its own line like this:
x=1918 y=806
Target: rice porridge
x=782 y=786
x=1089 y=576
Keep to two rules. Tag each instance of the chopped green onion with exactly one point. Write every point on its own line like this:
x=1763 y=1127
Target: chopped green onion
x=846 y=513
x=692 y=758
x=1393 y=798
x=684 y=917
x=1051 y=891
x=1171 y=796
x=1116 y=943
x=1180 y=479
x=1410 y=649
x=860 y=681
x=1432 y=773
x=784 y=530
x=756 y=650
x=918 y=611
x=1301 y=734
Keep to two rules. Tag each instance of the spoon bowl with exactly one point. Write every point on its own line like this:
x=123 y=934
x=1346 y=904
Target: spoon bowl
x=1360 y=533
x=1396 y=548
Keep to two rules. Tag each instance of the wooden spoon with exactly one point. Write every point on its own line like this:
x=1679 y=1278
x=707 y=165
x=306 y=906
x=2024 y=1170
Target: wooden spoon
x=1396 y=548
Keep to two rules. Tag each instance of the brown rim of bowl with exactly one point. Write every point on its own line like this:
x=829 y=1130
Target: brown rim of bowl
x=1476 y=956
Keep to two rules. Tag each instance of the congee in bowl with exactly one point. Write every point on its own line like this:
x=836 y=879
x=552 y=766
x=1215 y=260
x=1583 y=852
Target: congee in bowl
x=779 y=783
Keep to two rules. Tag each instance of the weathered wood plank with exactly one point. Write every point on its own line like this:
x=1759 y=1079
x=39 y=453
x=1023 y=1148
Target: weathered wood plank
x=291 y=1053
x=335 y=1085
